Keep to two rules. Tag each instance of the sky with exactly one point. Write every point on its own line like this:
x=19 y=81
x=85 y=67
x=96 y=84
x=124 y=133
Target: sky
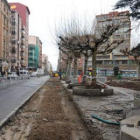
x=47 y=14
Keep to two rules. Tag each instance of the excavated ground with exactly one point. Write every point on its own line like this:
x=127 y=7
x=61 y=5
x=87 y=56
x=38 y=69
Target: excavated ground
x=134 y=85
x=49 y=115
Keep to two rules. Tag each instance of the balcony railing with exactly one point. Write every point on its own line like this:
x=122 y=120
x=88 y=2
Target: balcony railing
x=22 y=54
x=22 y=46
x=13 y=51
x=13 y=32
x=13 y=60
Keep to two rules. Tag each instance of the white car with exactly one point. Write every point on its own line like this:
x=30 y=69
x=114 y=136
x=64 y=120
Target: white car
x=13 y=75
x=24 y=74
x=34 y=74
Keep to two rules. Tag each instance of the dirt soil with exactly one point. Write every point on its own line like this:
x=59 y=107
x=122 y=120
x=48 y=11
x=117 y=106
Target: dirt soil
x=49 y=115
x=134 y=85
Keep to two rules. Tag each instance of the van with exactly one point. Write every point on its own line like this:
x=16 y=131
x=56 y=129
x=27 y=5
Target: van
x=24 y=74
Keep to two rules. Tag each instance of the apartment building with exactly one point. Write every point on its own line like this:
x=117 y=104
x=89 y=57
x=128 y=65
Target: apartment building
x=44 y=63
x=24 y=13
x=5 y=14
x=34 y=53
x=40 y=54
x=16 y=47
x=50 y=69
x=116 y=58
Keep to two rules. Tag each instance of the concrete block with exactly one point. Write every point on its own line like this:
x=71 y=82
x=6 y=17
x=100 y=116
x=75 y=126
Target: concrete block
x=70 y=86
x=68 y=81
x=136 y=102
x=92 y=92
x=137 y=99
x=129 y=133
x=129 y=129
x=131 y=112
x=137 y=95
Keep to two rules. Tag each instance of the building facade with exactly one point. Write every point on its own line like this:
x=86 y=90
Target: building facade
x=24 y=14
x=34 y=53
x=40 y=54
x=116 y=58
x=15 y=49
x=45 y=63
x=5 y=14
x=49 y=67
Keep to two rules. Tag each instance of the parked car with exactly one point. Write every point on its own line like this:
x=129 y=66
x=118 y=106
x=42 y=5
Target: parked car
x=33 y=74
x=55 y=74
x=12 y=75
x=24 y=74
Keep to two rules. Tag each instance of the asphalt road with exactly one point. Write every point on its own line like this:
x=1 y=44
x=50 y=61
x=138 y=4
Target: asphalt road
x=12 y=97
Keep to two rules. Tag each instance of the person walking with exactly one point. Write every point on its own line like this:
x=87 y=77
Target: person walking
x=60 y=75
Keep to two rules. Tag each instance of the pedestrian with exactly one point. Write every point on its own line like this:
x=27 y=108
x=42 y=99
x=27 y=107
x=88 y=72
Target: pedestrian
x=89 y=73
x=60 y=75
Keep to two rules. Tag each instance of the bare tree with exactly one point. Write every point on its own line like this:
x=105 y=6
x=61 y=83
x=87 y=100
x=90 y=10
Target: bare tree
x=75 y=37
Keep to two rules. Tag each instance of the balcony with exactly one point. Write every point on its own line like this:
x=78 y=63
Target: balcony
x=13 y=60
x=22 y=54
x=22 y=61
x=13 y=32
x=22 y=49
x=23 y=41
x=13 y=51
x=23 y=35
x=13 y=22
x=13 y=41
x=22 y=46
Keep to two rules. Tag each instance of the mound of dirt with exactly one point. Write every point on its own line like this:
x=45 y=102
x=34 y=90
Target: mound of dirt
x=125 y=84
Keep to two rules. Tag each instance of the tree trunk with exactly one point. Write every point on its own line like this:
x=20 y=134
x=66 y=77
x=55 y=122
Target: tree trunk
x=94 y=53
x=138 y=69
x=69 y=70
x=75 y=67
x=85 y=66
x=85 y=69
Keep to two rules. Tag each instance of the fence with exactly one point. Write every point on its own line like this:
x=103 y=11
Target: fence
x=124 y=73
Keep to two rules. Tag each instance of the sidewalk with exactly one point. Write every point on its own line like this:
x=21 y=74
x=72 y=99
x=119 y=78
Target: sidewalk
x=103 y=107
x=13 y=97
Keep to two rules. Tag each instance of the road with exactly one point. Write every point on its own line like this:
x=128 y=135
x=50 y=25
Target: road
x=12 y=97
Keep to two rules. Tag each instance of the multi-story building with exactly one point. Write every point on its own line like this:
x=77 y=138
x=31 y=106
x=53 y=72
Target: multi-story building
x=5 y=14
x=49 y=67
x=24 y=13
x=16 y=47
x=34 y=53
x=44 y=62
x=40 y=54
x=116 y=58
x=62 y=63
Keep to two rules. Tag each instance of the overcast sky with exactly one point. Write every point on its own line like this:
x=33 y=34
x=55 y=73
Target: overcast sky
x=45 y=14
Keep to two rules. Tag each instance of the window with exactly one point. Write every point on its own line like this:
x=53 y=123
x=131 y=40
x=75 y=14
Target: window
x=13 y=41
x=13 y=50
x=13 y=22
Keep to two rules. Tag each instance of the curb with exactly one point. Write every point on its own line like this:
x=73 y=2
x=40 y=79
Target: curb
x=15 y=111
x=87 y=124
